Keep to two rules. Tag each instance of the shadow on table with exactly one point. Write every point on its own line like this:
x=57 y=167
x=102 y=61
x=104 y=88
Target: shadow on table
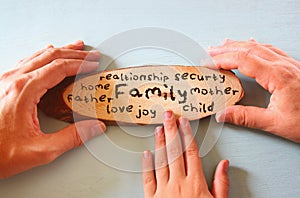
x=238 y=183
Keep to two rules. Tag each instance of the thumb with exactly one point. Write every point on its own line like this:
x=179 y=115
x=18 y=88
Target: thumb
x=248 y=116
x=75 y=135
x=220 y=186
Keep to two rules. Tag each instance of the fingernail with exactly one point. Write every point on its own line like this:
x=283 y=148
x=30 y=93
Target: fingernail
x=226 y=166
x=50 y=46
x=146 y=154
x=227 y=40
x=220 y=116
x=210 y=47
x=95 y=52
x=252 y=39
x=168 y=115
x=79 y=42
x=158 y=131
x=183 y=121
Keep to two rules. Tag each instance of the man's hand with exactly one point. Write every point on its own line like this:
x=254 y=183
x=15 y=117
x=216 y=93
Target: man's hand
x=178 y=169
x=276 y=72
x=22 y=143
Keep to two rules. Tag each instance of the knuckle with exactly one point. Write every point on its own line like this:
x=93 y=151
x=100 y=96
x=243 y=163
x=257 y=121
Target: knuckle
x=148 y=180
x=197 y=187
x=243 y=54
x=53 y=52
x=60 y=62
x=174 y=152
x=223 y=180
x=240 y=118
x=192 y=151
x=160 y=163
x=18 y=84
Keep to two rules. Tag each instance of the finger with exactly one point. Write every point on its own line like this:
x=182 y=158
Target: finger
x=191 y=152
x=248 y=64
x=77 y=45
x=174 y=148
x=161 y=161
x=220 y=186
x=248 y=116
x=149 y=181
x=250 y=47
x=49 y=76
x=72 y=136
x=53 y=54
x=25 y=60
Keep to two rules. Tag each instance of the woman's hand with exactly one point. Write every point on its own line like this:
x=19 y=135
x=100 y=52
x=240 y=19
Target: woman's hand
x=276 y=72
x=178 y=169
x=22 y=143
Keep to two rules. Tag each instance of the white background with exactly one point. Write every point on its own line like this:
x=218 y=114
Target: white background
x=261 y=165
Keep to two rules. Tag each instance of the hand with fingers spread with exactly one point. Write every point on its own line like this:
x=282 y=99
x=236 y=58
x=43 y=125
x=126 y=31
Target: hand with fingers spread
x=276 y=72
x=178 y=169
x=22 y=143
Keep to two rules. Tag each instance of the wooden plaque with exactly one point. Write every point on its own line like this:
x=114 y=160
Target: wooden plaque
x=140 y=95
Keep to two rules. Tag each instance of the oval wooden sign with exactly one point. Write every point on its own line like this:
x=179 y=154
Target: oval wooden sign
x=140 y=95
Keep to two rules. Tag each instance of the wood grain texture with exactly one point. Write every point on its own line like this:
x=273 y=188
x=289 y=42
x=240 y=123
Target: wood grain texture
x=140 y=95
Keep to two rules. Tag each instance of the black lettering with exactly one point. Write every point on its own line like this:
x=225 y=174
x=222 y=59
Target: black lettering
x=116 y=77
x=234 y=91
x=211 y=107
x=70 y=96
x=106 y=86
x=99 y=86
x=143 y=77
x=135 y=93
x=222 y=78
x=200 y=78
x=107 y=109
x=172 y=94
x=204 y=92
x=114 y=109
x=215 y=77
x=196 y=90
x=108 y=76
x=78 y=98
x=152 y=90
x=109 y=99
x=207 y=77
x=177 y=76
x=183 y=95
x=117 y=92
x=102 y=98
x=153 y=112
x=83 y=87
x=218 y=91
x=129 y=108
x=91 y=87
x=193 y=108
x=139 y=114
x=93 y=98
x=227 y=90
x=185 y=108
x=166 y=78
x=191 y=76
x=184 y=76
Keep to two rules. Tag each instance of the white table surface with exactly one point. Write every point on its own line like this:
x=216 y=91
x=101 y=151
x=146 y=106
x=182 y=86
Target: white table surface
x=261 y=165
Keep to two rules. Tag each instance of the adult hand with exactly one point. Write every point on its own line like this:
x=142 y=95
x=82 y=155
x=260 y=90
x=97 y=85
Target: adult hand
x=22 y=143
x=177 y=173
x=276 y=72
